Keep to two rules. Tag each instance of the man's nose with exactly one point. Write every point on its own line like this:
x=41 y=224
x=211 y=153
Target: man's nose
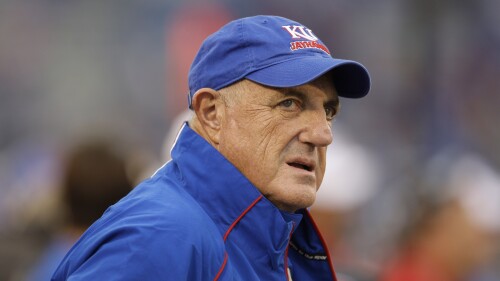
x=317 y=130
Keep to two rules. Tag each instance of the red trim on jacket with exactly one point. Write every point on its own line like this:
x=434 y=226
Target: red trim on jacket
x=240 y=217
x=229 y=231
x=221 y=269
x=286 y=253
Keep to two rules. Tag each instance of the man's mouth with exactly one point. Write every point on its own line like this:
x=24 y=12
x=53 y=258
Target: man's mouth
x=300 y=166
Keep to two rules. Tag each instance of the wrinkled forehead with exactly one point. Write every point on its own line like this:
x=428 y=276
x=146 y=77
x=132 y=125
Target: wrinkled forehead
x=323 y=85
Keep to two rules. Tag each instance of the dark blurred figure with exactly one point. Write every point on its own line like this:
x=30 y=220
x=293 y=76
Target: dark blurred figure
x=94 y=178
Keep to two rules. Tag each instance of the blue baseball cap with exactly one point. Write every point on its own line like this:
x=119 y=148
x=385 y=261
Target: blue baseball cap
x=272 y=51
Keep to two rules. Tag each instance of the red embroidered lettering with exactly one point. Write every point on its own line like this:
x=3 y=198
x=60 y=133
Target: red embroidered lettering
x=298 y=45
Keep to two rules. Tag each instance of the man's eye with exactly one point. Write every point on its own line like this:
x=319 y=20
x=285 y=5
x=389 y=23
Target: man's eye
x=289 y=104
x=330 y=112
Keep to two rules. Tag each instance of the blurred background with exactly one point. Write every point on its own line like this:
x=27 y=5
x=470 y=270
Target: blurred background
x=412 y=187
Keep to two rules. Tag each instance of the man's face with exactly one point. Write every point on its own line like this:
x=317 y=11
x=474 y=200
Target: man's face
x=278 y=137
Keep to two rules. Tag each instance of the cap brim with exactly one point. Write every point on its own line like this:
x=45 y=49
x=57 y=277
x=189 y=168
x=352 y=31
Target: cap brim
x=351 y=79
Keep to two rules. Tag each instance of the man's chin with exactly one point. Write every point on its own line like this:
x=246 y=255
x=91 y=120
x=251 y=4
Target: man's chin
x=299 y=201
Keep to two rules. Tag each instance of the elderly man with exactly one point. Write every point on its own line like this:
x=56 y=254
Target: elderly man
x=231 y=204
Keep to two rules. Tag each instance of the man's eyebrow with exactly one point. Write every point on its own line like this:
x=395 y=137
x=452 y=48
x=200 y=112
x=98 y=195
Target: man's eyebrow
x=333 y=102
x=295 y=93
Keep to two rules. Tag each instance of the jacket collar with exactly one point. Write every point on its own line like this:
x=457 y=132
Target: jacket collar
x=217 y=185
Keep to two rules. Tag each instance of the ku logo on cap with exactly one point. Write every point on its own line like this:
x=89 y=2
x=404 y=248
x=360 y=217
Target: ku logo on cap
x=300 y=32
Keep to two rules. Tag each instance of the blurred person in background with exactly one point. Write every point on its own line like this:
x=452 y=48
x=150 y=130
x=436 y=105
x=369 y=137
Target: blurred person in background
x=94 y=177
x=452 y=237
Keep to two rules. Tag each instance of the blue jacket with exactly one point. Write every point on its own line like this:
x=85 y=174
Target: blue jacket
x=198 y=218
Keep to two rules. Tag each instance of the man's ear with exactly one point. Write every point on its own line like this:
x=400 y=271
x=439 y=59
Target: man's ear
x=209 y=109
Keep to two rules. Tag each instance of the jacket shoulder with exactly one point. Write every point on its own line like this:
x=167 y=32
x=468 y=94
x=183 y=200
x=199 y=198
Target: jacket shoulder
x=157 y=230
